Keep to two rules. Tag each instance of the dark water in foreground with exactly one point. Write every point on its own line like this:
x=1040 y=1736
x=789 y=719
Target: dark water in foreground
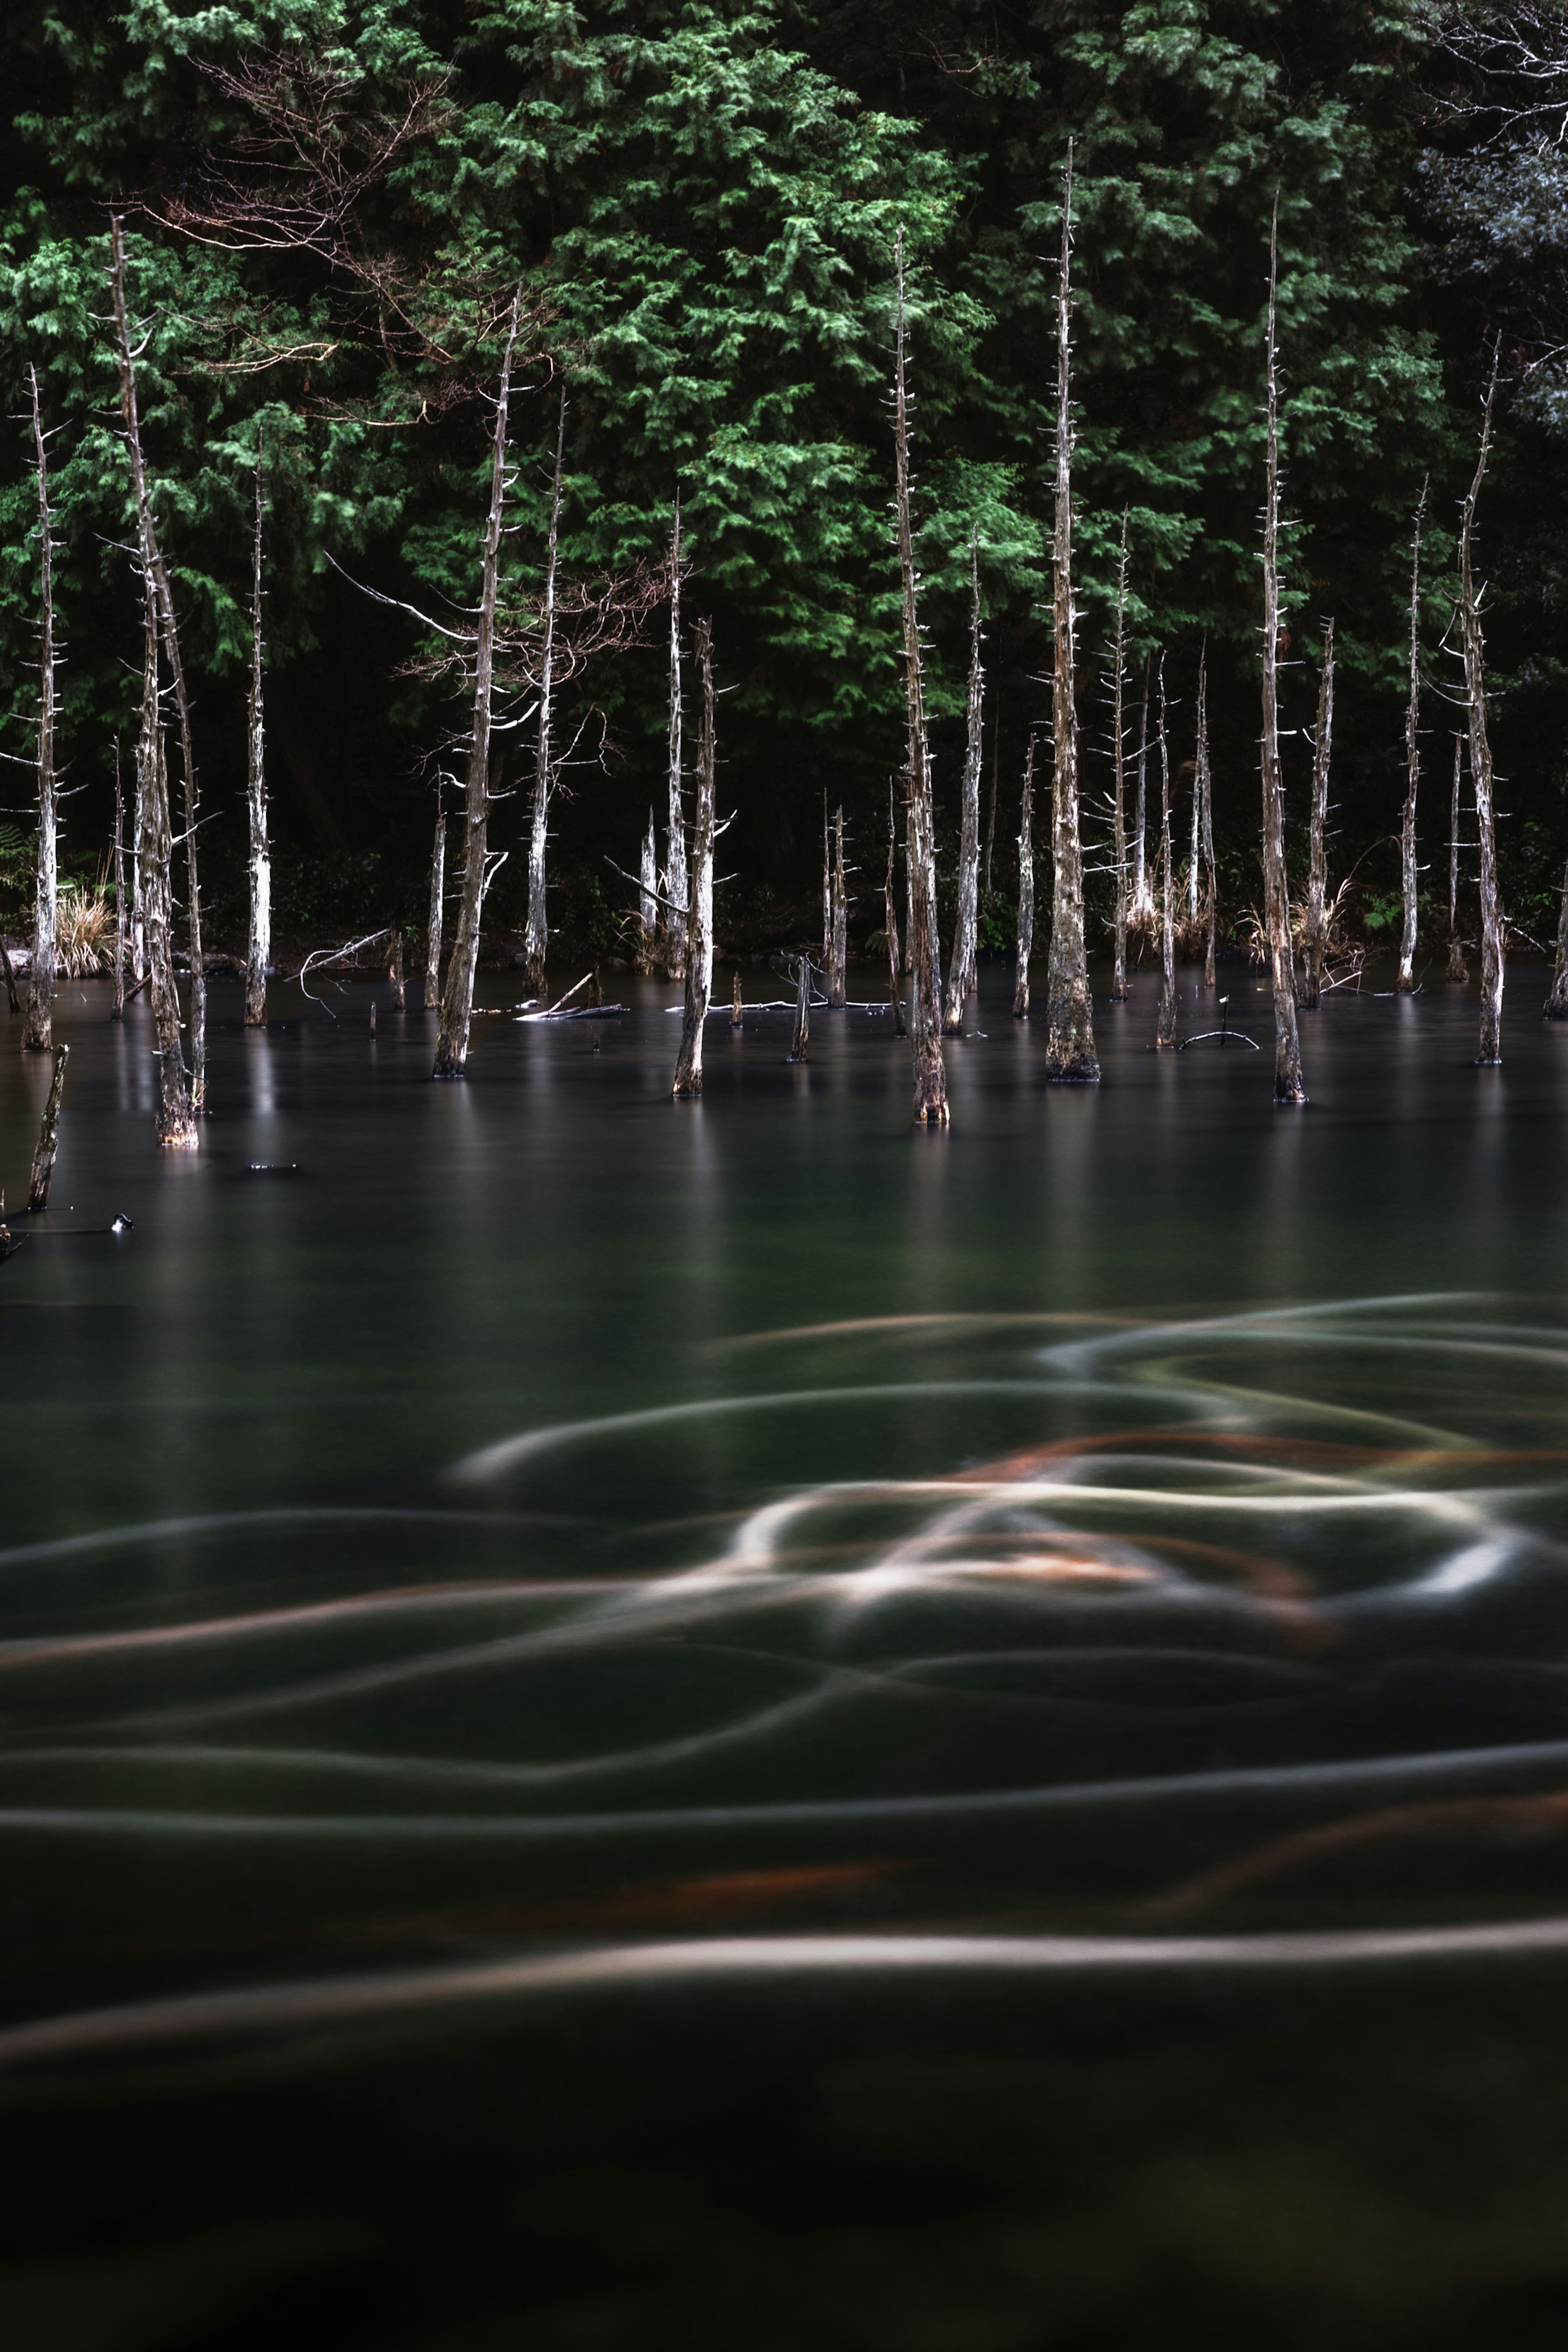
x=626 y=1725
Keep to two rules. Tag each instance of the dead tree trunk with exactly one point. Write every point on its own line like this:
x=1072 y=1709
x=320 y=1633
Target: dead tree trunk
x=137 y=955
x=1165 y=1024
x=1026 y=888
x=1070 y=1034
x=536 y=938
x=1480 y=749
x=1140 y=912
x=1316 y=831
x=699 y=901
x=990 y=818
x=801 y=1039
x=1288 y=1085
x=198 y=1021
x=1204 y=774
x=647 y=901
x=737 y=1005
x=675 y=875
x=924 y=952
x=437 y=888
x=258 y=948
x=1456 y=966
x=962 y=970
x=1406 y=981
x=43 y=1156
x=457 y=1004
x=890 y=917
x=176 y=1126
x=36 y=1029
x=1556 y=1005
x=10 y=978
x=394 y=972
x=1119 y=767
x=838 y=940
x=118 y=1012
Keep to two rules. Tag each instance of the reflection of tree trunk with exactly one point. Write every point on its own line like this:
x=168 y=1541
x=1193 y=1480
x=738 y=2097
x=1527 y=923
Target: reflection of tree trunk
x=699 y=899
x=536 y=937
x=176 y=1128
x=1026 y=888
x=457 y=1002
x=36 y=1030
x=433 y=932
x=925 y=970
x=259 y=950
x=1316 y=940
x=963 y=968
x=1069 y=1037
x=291 y=741
x=1406 y=981
x=1118 y=754
x=1480 y=750
x=675 y=886
x=1288 y=1085
x=1165 y=1026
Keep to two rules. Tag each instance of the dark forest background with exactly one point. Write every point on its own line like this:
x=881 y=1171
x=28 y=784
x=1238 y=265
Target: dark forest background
x=703 y=200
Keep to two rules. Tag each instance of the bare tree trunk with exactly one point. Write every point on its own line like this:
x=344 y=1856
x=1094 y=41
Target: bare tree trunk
x=258 y=948
x=1140 y=912
x=394 y=972
x=1204 y=786
x=437 y=888
x=176 y=1126
x=1316 y=831
x=457 y=1004
x=43 y=1156
x=1288 y=1085
x=801 y=1039
x=10 y=986
x=699 y=903
x=1480 y=749
x=1195 y=847
x=737 y=1005
x=36 y=1029
x=838 y=928
x=924 y=952
x=1070 y=1035
x=963 y=970
x=536 y=938
x=648 y=900
x=826 y=892
x=675 y=876
x=138 y=937
x=900 y=1028
x=995 y=762
x=198 y=1021
x=1026 y=888
x=118 y=1012
x=1456 y=966
x=1406 y=981
x=1118 y=764
x=1556 y=1005
x=1165 y=1024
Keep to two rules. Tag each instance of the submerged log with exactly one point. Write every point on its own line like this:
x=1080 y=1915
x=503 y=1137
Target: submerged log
x=43 y=1156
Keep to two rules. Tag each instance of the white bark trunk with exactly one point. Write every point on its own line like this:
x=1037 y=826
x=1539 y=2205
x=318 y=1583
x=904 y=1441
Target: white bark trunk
x=1408 y=868
x=43 y=1167
x=1206 y=786
x=890 y=919
x=1316 y=939
x=1026 y=888
x=1141 y=910
x=1556 y=1005
x=36 y=1034
x=1288 y=1085
x=838 y=940
x=1165 y=1026
x=118 y=1014
x=1456 y=966
x=1069 y=1039
x=648 y=900
x=536 y=938
x=925 y=967
x=1480 y=750
x=700 y=898
x=1118 y=766
x=432 y=929
x=258 y=948
x=963 y=968
x=675 y=873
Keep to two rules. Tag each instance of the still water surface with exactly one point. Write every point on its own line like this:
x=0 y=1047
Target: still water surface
x=700 y=1726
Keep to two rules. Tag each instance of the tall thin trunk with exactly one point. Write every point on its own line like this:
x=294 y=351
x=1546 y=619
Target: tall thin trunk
x=826 y=892
x=457 y=1004
x=1456 y=966
x=1288 y=1085
x=1118 y=766
x=198 y=1021
x=1140 y=912
x=1206 y=786
x=838 y=944
x=437 y=889
x=1026 y=888
x=1070 y=1035
x=1194 y=852
x=1316 y=940
x=43 y=1167
x=675 y=876
x=1556 y=1005
x=963 y=968
x=1166 y=1024
x=394 y=970
x=647 y=900
x=699 y=901
x=1481 y=748
x=258 y=948
x=36 y=1029
x=176 y=1126
x=800 y=1040
x=118 y=1014
x=991 y=817
x=537 y=935
x=924 y=952
x=900 y=1028
x=1406 y=981
x=137 y=942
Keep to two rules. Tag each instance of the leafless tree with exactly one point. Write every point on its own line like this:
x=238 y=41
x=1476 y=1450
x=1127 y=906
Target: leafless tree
x=890 y=919
x=259 y=950
x=1165 y=1022
x=37 y=1030
x=1288 y=1085
x=991 y=814
x=1556 y=1005
x=925 y=970
x=1119 y=768
x=1025 y=887
x=1406 y=981
x=1474 y=647
x=963 y=968
x=438 y=892
x=536 y=937
x=1316 y=939
x=1141 y=913
x=838 y=926
x=675 y=863
x=647 y=900
x=1203 y=785
x=699 y=901
x=118 y=1014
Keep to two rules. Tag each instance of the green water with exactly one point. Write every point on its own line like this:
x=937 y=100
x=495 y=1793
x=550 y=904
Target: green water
x=729 y=1725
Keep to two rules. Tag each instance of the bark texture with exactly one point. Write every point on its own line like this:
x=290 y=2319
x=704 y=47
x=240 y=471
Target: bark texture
x=963 y=966
x=1119 y=768
x=536 y=938
x=1481 y=748
x=891 y=917
x=1070 y=1034
x=1204 y=785
x=838 y=928
x=1165 y=1022
x=1556 y=1005
x=1026 y=888
x=36 y=1032
x=176 y=1126
x=1140 y=910
x=1288 y=1085
x=43 y=1156
x=990 y=816
x=700 y=898
x=1457 y=968
x=737 y=1006
x=258 y=948
x=198 y=1032
x=433 y=930
x=457 y=1002
x=925 y=969
x=675 y=884
x=395 y=972
x=648 y=900
x=1406 y=981
x=800 y=1040
x=118 y=1011
x=1316 y=940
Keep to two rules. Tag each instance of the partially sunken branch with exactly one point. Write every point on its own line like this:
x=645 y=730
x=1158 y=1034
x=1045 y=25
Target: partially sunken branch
x=925 y=981
x=1288 y=1085
x=1070 y=1040
x=37 y=1030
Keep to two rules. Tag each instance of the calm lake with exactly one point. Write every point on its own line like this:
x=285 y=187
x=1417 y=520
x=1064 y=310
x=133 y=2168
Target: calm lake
x=729 y=1727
